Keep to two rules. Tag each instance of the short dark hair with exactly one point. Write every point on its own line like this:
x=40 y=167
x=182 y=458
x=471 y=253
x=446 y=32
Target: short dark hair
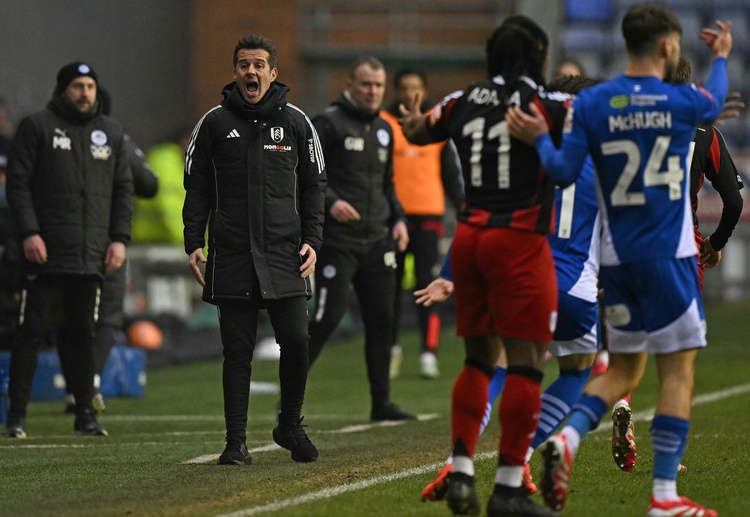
x=572 y=84
x=404 y=72
x=571 y=61
x=256 y=42
x=372 y=61
x=518 y=47
x=644 y=25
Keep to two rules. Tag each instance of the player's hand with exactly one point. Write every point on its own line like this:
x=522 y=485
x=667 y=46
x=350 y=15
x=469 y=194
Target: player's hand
x=34 y=249
x=400 y=234
x=731 y=108
x=413 y=121
x=411 y=109
x=308 y=266
x=115 y=257
x=526 y=127
x=437 y=291
x=194 y=261
x=343 y=212
x=719 y=41
x=709 y=256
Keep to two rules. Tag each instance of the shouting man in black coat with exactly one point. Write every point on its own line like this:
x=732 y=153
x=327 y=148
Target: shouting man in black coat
x=254 y=174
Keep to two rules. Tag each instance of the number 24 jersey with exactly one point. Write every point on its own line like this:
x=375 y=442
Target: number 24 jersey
x=638 y=132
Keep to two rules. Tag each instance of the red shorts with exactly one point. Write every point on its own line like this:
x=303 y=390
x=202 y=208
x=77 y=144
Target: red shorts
x=505 y=283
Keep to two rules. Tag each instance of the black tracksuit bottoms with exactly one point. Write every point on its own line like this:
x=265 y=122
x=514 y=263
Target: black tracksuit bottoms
x=238 y=323
x=425 y=232
x=66 y=305
x=371 y=269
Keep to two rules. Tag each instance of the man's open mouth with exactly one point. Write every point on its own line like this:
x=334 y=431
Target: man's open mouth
x=251 y=86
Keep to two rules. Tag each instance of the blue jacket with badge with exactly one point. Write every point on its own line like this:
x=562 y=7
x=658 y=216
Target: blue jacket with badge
x=255 y=176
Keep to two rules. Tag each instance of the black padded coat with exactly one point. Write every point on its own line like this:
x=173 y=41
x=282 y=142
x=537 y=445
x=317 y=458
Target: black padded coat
x=254 y=175
x=68 y=181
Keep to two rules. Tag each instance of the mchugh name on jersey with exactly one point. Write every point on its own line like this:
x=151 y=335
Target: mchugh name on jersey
x=640 y=120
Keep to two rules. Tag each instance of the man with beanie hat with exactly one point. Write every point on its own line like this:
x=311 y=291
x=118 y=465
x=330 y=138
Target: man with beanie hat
x=69 y=192
x=111 y=320
x=72 y=71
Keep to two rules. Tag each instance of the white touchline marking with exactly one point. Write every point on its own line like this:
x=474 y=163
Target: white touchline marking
x=161 y=418
x=47 y=446
x=648 y=414
x=209 y=458
x=386 y=423
x=100 y=443
x=327 y=493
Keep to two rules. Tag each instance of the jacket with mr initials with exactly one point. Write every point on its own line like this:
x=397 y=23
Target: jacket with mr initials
x=70 y=183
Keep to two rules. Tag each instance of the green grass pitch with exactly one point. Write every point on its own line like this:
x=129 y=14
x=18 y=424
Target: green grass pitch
x=159 y=459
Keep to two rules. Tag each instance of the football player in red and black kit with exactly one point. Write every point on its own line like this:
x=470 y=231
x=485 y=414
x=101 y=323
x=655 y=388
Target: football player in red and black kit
x=711 y=161
x=502 y=266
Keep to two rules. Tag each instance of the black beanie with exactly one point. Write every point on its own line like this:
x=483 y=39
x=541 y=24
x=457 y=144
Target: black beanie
x=72 y=71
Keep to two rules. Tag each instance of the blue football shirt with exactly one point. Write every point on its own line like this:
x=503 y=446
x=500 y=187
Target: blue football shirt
x=575 y=241
x=638 y=131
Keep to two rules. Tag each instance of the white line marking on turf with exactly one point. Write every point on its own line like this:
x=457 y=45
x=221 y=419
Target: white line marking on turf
x=328 y=493
x=160 y=418
x=386 y=423
x=210 y=458
x=75 y=445
x=648 y=414
x=47 y=446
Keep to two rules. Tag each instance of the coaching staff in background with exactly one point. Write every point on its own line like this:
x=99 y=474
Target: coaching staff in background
x=69 y=192
x=364 y=223
x=111 y=320
x=254 y=174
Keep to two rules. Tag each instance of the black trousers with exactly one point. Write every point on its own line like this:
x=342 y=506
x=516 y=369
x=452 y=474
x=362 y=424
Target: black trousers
x=425 y=232
x=371 y=270
x=66 y=306
x=238 y=323
x=109 y=323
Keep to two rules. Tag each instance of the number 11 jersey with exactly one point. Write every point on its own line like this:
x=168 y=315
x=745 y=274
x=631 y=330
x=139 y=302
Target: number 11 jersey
x=504 y=182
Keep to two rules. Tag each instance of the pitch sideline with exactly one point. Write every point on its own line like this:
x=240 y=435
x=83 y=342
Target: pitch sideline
x=334 y=491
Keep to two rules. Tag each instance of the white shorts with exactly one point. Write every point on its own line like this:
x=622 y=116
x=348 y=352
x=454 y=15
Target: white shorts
x=653 y=306
x=577 y=325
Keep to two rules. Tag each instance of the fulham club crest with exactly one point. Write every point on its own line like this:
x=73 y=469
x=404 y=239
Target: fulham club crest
x=277 y=134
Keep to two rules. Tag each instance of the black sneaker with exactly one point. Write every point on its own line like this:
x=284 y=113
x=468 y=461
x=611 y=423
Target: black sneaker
x=235 y=453
x=294 y=438
x=515 y=502
x=86 y=425
x=461 y=497
x=15 y=428
x=389 y=411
